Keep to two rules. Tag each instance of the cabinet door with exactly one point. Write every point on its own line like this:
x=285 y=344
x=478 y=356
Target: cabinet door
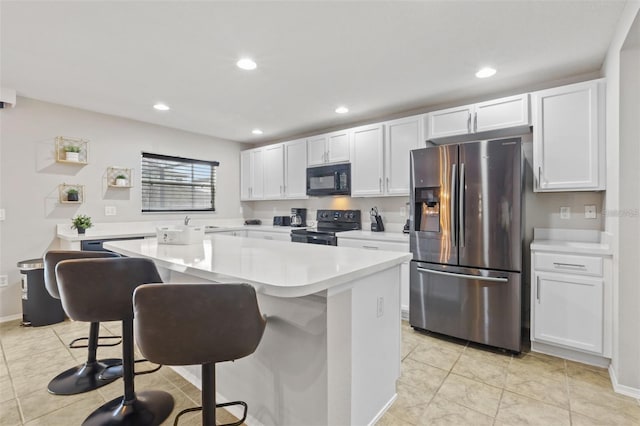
x=401 y=136
x=257 y=174
x=245 y=175
x=274 y=171
x=338 y=146
x=367 y=164
x=317 y=150
x=568 y=310
x=502 y=113
x=450 y=122
x=295 y=172
x=567 y=151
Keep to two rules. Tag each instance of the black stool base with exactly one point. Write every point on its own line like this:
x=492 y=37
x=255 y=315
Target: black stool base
x=83 y=378
x=149 y=408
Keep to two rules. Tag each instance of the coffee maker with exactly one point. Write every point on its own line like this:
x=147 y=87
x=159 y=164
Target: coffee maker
x=298 y=217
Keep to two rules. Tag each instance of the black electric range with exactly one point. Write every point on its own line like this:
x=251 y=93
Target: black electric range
x=329 y=223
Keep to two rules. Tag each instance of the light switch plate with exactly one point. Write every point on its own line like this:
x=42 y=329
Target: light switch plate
x=110 y=210
x=2 y=214
x=4 y=280
x=565 y=212
x=590 y=212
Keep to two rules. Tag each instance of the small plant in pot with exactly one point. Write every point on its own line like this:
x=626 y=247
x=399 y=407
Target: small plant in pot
x=121 y=180
x=81 y=223
x=72 y=153
x=72 y=195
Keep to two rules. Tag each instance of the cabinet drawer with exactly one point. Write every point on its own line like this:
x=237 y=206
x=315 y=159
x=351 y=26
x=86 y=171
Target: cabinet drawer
x=372 y=245
x=568 y=264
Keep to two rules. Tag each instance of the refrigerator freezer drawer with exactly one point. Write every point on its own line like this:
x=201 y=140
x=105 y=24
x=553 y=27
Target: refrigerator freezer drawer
x=478 y=305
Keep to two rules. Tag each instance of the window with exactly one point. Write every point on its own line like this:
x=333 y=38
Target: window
x=175 y=184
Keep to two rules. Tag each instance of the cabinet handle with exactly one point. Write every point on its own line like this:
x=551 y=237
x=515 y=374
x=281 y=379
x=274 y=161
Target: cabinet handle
x=569 y=265
x=380 y=180
x=475 y=121
x=538 y=289
x=539 y=174
x=370 y=247
x=281 y=190
x=469 y=123
x=387 y=184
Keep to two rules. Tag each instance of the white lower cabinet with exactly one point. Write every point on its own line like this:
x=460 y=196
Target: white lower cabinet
x=389 y=246
x=568 y=302
x=232 y=233
x=267 y=235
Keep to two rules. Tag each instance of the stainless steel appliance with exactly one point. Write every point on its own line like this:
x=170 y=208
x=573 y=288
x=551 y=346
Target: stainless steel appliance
x=334 y=179
x=298 y=217
x=466 y=240
x=330 y=223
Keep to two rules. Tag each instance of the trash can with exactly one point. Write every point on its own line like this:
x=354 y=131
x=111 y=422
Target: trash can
x=38 y=307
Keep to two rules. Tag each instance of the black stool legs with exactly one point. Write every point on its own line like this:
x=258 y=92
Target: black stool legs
x=132 y=409
x=85 y=377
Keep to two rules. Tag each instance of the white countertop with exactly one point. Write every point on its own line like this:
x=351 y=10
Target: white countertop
x=276 y=268
x=395 y=237
x=577 y=241
x=103 y=231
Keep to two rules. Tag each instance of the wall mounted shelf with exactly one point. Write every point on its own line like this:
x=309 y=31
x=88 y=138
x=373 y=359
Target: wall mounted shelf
x=114 y=171
x=63 y=193
x=72 y=150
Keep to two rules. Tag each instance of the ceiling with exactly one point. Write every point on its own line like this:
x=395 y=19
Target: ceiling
x=376 y=57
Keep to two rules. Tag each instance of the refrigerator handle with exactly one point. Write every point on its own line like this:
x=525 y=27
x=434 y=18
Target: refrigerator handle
x=461 y=191
x=452 y=205
x=471 y=277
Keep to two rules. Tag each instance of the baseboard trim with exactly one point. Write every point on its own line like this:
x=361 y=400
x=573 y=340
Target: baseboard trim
x=622 y=389
x=383 y=410
x=10 y=318
x=404 y=313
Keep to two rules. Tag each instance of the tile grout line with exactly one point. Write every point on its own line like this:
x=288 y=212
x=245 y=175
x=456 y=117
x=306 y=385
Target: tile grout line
x=13 y=388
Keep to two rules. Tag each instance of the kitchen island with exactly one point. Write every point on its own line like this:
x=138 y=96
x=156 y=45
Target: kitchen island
x=330 y=354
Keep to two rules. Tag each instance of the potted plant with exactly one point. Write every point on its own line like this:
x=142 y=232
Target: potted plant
x=81 y=223
x=72 y=194
x=72 y=153
x=121 y=180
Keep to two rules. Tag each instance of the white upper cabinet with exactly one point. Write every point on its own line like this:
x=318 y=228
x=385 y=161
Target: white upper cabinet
x=495 y=114
x=367 y=165
x=295 y=169
x=274 y=171
x=252 y=174
x=328 y=148
x=568 y=138
x=380 y=156
x=401 y=136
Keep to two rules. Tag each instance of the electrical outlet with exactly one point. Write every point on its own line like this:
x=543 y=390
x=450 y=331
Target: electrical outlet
x=380 y=306
x=4 y=280
x=403 y=211
x=110 y=210
x=2 y=214
x=590 y=212
x=565 y=212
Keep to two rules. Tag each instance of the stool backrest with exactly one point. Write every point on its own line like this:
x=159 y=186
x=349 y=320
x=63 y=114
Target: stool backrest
x=183 y=324
x=101 y=289
x=52 y=257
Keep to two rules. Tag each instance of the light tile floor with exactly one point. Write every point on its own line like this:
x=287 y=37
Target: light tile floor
x=443 y=382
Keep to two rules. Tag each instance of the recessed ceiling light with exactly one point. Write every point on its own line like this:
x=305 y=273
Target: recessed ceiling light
x=256 y=131
x=161 y=107
x=246 y=64
x=485 y=72
x=342 y=110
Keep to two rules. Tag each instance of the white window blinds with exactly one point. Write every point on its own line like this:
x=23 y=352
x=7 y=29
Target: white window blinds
x=176 y=184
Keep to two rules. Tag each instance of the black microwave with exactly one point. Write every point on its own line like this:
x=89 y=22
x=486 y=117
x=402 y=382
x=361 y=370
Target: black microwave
x=329 y=180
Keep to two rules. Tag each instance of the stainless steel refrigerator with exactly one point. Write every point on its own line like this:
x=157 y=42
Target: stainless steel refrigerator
x=466 y=239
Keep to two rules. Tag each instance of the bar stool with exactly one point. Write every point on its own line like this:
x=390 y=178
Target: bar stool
x=185 y=324
x=85 y=377
x=101 y=290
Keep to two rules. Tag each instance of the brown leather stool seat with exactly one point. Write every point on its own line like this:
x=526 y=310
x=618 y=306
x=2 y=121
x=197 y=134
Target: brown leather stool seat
x=185 y=324
x=88 y=376
x=101 y=290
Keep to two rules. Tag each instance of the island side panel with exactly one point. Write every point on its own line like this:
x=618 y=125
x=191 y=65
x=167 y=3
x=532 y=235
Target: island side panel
x=364 y=347
x=284 y=382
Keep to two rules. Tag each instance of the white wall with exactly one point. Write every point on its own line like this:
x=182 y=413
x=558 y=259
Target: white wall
x=29 y=177
x=622 y=193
